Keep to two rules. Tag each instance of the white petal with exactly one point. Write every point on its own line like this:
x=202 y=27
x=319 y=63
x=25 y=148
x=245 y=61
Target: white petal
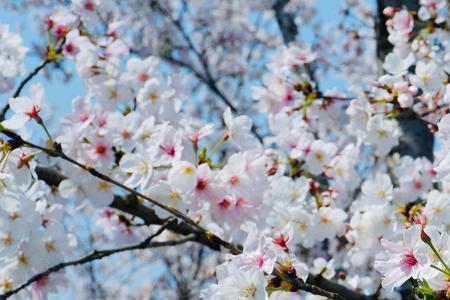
x=16 y=122
x=21 y=104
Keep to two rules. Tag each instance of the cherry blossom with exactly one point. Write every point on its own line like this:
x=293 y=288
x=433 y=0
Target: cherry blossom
x=12 y=52
x=405 y=260
x=26 y=108
x=214 y=142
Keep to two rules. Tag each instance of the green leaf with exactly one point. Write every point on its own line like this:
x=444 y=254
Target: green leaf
x=424 y=291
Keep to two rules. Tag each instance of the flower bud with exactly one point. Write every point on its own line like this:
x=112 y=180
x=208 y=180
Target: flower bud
x=402 y=86
x=389 y=11
x=413 y=90
x=425 y=237
x=405 y=100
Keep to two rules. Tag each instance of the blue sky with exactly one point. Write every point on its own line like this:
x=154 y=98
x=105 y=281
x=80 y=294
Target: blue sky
x=58 y=94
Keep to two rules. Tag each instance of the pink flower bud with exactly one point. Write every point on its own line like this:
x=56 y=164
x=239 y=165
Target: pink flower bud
x=413 y=90
x=389 y=11
x=425 y=237
x=401 y=86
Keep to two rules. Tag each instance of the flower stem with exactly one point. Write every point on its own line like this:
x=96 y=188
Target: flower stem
x=438 y=255
x=46 y=131
x=440 y=270
x=218 y=145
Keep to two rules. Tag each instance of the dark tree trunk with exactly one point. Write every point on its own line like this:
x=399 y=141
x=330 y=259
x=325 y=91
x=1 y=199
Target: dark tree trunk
x=383 y=45
x=416 y=140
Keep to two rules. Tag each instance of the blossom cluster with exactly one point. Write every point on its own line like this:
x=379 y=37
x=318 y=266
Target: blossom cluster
x=327 y=192
x=12 y=53
x=32 y=231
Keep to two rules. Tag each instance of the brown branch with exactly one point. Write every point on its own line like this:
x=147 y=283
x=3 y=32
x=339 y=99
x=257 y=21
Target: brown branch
x=336 y=288
x=131 y=205
x=434 y=110
x=96 y=255
x=314 y=284
x=59 y=154
x=17 y=141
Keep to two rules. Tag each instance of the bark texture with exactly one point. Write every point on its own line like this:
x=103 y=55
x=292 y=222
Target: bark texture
x=416 y=140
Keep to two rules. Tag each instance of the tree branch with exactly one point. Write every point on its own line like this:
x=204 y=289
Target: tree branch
x=344 y=292
x=131 y=205
x=207 y=77
x=17 y=141
x=22 y=85
x=285 y=21
x=315 y=284
x=289 y=30
x=96 y=255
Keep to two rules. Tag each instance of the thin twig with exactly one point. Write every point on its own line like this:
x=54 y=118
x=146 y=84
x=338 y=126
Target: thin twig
x=434 y=110
x=96 y=255
x=22 y=85
x=30 y=76
x=207 y=77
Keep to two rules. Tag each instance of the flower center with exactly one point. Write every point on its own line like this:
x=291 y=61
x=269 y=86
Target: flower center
x=7 y=284
x=382 y=133
x=34 y=113
x=417 y=184
x=288 y=98
x=170 y=150
x=201 y=184
x=409 y=260
x=7 y=240
x=188 y=170
x=153 y=96
x=281 y=241
x=100 y=149
x=174 y=196
x=50 y=246
x=224 y=204
x=89 y=6
x=324 y=220
x=42 y=282
x=250 y=291
x=70 y=48
x=240 y=202
x=23 y=259
x=320 y=157
x=126 y=134
x=104 y=186
x=144 y=77
x=234 y=180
